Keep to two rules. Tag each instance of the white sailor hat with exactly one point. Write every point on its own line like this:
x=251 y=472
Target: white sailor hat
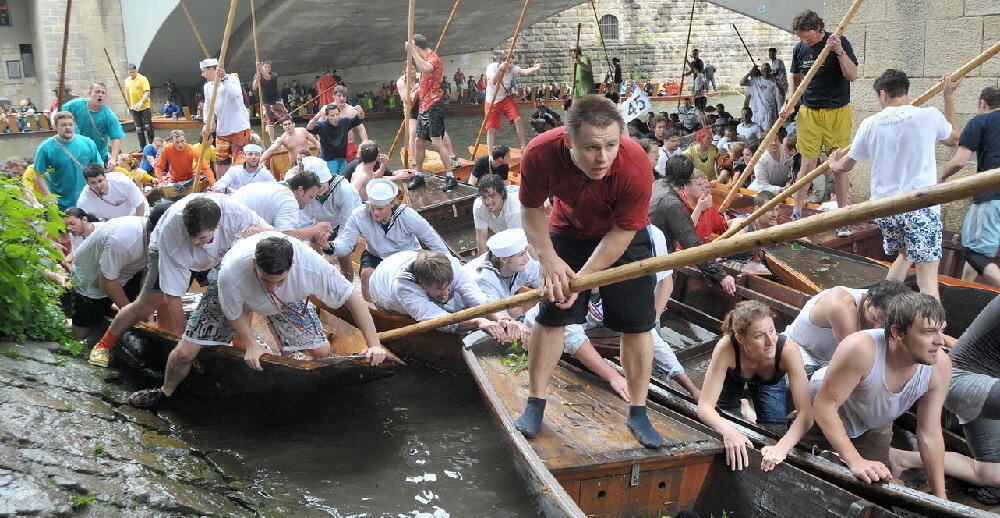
x=252 y=147
x=508 y=242
x=381 y=192
x=316 y=165
x=208 y=62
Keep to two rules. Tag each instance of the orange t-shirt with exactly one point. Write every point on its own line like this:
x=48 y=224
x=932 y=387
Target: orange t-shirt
x=182 y=164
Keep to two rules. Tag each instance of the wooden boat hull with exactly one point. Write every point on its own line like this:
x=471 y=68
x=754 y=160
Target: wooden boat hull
x=221 y=371
x=585 y=462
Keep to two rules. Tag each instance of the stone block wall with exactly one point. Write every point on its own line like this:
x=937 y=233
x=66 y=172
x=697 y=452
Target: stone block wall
x=94 y=26
x=926 y=39
x=651 y=41
x=17 y=89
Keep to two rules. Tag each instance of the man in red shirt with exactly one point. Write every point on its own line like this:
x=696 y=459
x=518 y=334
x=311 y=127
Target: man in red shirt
x=430 y=120
x=325 y=88
x=601 y=183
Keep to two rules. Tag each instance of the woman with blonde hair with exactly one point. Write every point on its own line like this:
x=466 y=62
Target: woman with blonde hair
x=127 y=166
x=751 y=357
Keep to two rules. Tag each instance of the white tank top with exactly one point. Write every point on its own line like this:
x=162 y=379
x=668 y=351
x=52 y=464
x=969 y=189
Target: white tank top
x=817 y=342
x=871 y=405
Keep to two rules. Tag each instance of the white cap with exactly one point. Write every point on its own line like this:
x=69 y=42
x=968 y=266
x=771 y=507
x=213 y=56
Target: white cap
x=381 y=192
x=508 y=242
x=317 y=166
x=252 y=147
x=208 y=62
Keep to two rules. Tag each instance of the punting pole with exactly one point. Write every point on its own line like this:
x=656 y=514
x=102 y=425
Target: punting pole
x=497 y=81
x=807 y=178
x=408 y=77
x=117 y=81
x=684 y=65
x=593 y=5
x=773 y=132
x=260 y=87
x=576 y=62
x=62 y=62
x=744 y=45
x=210 y=111
x=194 y=28
x=882 y=207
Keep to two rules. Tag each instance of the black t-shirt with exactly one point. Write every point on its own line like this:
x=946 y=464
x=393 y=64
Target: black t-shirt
x=483 y=167
x=982 y=136
x=829 y=88
x=269 y=87
x=618 y=73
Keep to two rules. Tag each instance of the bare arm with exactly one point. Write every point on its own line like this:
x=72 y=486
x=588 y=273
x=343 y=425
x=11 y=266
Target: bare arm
x=735 y=442
x=114 y=290
x=798 y=384
x=930 y=440
x=273 y=148
x=245 y=337
x=949 y=111
x=481 y=235
x=957 y=162
x=363 y=320
x=528 y=71
x=555 y=275
x=838 y=308
x=592 y=360
x=422 y=66
x=840 y=162
x=611 y=247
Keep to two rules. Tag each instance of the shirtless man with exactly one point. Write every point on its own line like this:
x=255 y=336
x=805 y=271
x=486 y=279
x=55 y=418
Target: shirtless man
x=374 y=165
x=340 y=101
x=294 y=139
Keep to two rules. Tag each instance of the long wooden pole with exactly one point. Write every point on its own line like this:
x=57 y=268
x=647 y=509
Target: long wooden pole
x=773 y=132
x=408 y=79
x=752 y=62
x=687 y=43
x=576 y=62
x=117 y=81
x=444 y=32
x=498 y=80
x=600 y=33
x=807 y=178
x=62 y=61
x=194 y=28
x=866 y=211
x=260 y=87
x=210 y=111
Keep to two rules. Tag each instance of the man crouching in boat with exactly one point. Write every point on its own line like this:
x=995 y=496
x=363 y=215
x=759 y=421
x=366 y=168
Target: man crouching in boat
x=752 y=357
x=272 y=275
x=427 y=284
x=601 y=182
x=874 y=377
x=193 y=235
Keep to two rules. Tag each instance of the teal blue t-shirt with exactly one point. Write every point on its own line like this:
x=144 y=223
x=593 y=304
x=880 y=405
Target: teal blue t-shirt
x=103 y=127
x=64 y=176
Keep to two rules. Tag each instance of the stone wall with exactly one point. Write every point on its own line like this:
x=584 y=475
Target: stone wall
x=925 y=39
x=651 y=41
x=17 y=89
x=94 y=26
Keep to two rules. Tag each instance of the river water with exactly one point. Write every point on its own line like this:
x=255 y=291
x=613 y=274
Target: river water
x=420 y=443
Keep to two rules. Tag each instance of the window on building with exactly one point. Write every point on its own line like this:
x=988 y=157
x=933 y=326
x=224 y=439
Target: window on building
x=609 y=27
x=27 y=60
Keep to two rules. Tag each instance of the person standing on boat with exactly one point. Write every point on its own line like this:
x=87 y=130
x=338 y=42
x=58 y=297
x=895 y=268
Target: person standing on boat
x=293 y=140
x=274 y=106
x=780 y=74
x=833 y=314
x=762 y=95
x=95 y=120
x=981 y=228
x=107 y=269
x=583 y=83
x=137 y=91
x=60 y=160
x=752 y=357
x=426 y=284
x=496 y=209
x=601 y=183
x=824 y=117
x=900 y=141
x=340 y=94
x=194 y=234
x=332 y=130
x=430 y=121
x=179 y=159
x=874 y=377
x=251 y=171
x=232 y=118
x=272 y=276
x=110 y=195
x=388 y=228
x=504 y=102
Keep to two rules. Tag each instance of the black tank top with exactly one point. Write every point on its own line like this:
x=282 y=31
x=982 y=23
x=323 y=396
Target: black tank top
x=736 y=375
x=269 y=87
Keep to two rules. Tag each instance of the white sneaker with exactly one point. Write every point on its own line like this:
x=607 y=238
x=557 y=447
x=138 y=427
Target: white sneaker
x=844 y=232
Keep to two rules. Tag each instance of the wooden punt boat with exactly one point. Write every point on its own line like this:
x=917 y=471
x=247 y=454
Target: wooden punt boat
x=222 y=371
x=585 y=461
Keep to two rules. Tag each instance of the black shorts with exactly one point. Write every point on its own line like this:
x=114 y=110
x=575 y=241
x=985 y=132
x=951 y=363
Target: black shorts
x=415 y=110
x=369 y=260
x=628 y=305
x=431 y=122
x=88 y=312
x=700 y=103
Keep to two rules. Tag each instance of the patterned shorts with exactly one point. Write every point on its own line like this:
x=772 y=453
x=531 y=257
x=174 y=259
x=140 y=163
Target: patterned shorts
x=298 y=328
x=229 y=148
x=273 y=113
x=917 y=232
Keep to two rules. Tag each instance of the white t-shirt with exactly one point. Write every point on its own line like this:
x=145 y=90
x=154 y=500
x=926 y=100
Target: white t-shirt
x=75 y=242
x=661 y=160
x=240 y=290
x=341 y=200
x=748 y=132
x=122 y=199
x=508 y=76
x=763 y=101
x=237 y=177
x=509 y=217
x=900 y=141
x=659 y=249
x=180 y=256
x=272 y=201
x=115 y=250
x=231 y=115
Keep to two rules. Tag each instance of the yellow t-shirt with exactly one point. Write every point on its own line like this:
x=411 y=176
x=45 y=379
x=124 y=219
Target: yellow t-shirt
x=139 y=176
x=134 y=88
x=706 y=166
x=209 y=157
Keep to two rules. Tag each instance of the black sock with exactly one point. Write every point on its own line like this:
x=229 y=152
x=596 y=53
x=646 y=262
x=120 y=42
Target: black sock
x=642 y=428
x=531 y=420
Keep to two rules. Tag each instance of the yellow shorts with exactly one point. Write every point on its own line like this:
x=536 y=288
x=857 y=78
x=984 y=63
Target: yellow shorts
x=822 y=129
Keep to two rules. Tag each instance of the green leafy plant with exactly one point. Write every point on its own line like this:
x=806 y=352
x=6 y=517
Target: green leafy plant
x=72 y=347
x=27 y=252
x=100 y=452
x=81 y=501
x=516 y=359
x=12 y=354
